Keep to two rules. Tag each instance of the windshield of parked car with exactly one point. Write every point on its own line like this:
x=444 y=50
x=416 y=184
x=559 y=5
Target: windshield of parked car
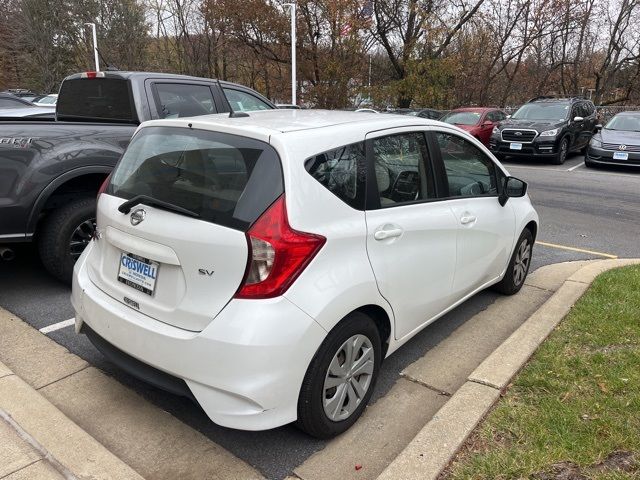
x=462 y=118
x=542 y=111
x=628 y=123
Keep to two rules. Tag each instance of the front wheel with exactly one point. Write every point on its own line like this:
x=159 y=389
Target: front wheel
x=340 y=378
x=64 y=234
x=563 y=151
x=518 y=267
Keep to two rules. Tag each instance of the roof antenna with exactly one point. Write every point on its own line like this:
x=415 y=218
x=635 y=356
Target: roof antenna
x=110 y=68
x=232 y=114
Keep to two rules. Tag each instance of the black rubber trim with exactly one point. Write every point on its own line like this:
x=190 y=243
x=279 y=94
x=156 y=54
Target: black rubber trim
x=136 y=368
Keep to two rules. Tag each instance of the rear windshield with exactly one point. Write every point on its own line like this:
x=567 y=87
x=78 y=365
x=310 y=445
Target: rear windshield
x=224 y=179
x=96 y=99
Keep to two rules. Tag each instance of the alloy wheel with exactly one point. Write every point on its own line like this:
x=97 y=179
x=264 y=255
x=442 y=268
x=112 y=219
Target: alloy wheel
x=521 y=264
x=348 y=378
x=81 y=237
x=563 y=150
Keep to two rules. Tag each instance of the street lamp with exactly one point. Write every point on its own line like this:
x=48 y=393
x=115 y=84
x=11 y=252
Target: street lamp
x=95 y=45
x=292 y=10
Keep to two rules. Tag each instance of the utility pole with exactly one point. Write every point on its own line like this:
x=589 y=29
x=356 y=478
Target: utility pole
x=292 y=11
x=95 y=45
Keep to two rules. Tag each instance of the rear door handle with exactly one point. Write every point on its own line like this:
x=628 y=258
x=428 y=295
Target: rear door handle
x=387 y=233
x=467 y=219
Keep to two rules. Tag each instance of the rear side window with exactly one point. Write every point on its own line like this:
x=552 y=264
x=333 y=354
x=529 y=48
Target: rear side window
x=342 y=172
x=401 y=173
x=96 y=98
x=225 y=179
x=183 y=100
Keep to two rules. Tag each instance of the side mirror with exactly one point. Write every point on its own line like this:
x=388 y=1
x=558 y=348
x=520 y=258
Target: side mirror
x=513 y=188
x=508 y=116
x=578 y=119
x=598 y=127
x=487 y=123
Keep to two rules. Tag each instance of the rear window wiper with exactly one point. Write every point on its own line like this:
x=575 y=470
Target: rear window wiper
x=126 y=207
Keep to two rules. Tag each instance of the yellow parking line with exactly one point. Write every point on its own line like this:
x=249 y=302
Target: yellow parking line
x=574 y=249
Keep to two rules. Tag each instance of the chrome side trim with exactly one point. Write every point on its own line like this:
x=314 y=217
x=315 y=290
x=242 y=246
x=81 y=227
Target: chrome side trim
x=21 y=236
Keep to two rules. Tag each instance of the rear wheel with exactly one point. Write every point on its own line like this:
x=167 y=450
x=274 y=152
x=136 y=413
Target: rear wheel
x=341 y=377
x=518 y=267
x=563 y=151
x=64 y=235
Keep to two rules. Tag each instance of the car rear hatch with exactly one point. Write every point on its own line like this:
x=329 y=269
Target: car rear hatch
x=172 y=221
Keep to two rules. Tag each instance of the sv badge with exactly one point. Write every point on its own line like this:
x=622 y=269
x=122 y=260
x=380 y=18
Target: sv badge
x=205 y=272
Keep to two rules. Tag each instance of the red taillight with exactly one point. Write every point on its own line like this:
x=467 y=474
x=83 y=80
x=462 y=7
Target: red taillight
x=103 y=187
x=277 y=254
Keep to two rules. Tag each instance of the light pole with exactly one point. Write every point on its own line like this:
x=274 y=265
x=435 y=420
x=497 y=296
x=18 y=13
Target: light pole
x=292 y=10
x=95 y=45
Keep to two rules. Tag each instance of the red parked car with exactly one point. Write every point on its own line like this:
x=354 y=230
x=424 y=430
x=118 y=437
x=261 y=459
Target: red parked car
x=479 y=122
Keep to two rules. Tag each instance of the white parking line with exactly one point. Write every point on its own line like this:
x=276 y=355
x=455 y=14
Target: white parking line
x=57 y=326
x=528 y=167
x=574 y=167
x=603 y=173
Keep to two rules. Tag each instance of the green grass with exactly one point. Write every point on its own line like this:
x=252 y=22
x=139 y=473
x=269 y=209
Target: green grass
x=577 y=400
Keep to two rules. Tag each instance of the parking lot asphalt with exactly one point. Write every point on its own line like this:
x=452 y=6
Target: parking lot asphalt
x=585 y=214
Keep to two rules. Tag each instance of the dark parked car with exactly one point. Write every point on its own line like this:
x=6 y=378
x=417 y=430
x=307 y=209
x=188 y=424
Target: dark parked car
x=8 y=100
x=21 y=92
x=478 y=122
x=51 y=169
x=546 y=127
x=617 y=143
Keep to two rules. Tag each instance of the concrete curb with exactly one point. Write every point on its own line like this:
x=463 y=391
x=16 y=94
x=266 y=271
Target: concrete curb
x=71 y=451
x=149 y=440
x=433 y=448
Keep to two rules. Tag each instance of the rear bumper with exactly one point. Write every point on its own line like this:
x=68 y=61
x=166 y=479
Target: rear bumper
x=245 y=368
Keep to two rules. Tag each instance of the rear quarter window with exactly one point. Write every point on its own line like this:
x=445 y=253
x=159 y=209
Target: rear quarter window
x=225 y=179
x=342 y=172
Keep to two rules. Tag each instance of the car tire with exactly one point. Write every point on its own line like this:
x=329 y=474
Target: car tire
x=563 y=152
x=518 y=267
x=327 y=379
x=64 y=234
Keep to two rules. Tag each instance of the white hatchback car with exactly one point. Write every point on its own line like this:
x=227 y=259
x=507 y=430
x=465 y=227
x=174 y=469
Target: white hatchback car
x=265 y=265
